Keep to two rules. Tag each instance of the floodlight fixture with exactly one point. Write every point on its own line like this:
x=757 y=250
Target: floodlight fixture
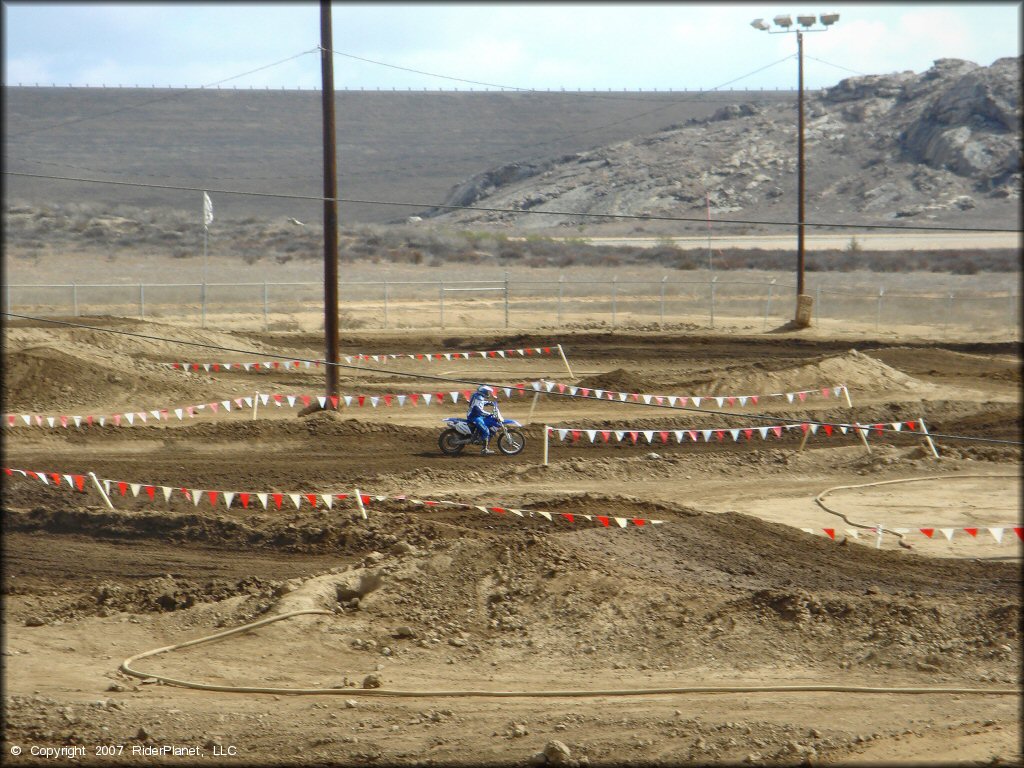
x=760 y=24
x=828 y=19
x=806 y=20
x=784 y=20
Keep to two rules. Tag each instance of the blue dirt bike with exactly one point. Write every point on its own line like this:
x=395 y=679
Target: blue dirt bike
x=460 y=433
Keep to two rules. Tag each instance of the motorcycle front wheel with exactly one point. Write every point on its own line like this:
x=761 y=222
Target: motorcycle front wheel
x=511 y=442
x=451 y=442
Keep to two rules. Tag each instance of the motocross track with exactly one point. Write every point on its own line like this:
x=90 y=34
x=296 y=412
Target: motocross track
x=728 y=591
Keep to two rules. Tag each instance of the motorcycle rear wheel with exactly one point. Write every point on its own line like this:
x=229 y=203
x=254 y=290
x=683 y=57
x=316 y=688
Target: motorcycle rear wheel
x=511 y=442
x=451 y=442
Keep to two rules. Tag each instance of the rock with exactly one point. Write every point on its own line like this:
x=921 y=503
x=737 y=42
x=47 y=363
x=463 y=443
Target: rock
x=518 y=730
x=404 y=631
x=35 y=621
x=556 y=753
x=142 y=734
x=371 y=681
x=458 y=642
x=402 y=548
x=351 y=703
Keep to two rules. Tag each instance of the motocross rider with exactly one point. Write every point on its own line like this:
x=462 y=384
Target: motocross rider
x=477 y=415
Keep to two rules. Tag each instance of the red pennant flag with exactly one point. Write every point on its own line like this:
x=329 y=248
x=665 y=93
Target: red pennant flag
x=828 y=430
x=802 y=396
x=295 y=363
x=972 y=531
x=804 y=428
x=277 y=364
x=604 y=520
x=730 y=400
x=213 y=497
x=912 y=425
x=1020 y=532
x=664 y=436
x=195 y=366
x=304 y=399
x=122 y=487
x=334 y=402
x=633 y=436
x=278 y=498
x=151 y=492
x=80 y=482
x=216 y=367
x=575 y=435
x=8 y=470
x=175 y=365
x=879 y=428
x=927 y=531
x=568 y=516
x=277 y=398
x=55 y=476
x=547 y=350
x=638 y=521
x=499 y=510
x=753 y=399
x=720 y=434
x=831 y=533
x=387 y=399
x=361 y=399
x=10 y=420
x=748 y=433
x=584 y=392
x=311 y=497
x=245 y=499
x=364 y=498
x=605 y=434
x=561 y=388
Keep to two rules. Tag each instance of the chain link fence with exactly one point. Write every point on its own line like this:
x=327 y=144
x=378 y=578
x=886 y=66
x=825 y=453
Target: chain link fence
x=511 y=303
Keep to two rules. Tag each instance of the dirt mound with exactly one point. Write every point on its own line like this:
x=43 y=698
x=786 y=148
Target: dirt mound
x=619 y=380
x=39 y=377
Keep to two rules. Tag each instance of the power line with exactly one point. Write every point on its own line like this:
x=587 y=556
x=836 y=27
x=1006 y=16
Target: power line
x=837 y=66
x=425 y=206
x=475 y=382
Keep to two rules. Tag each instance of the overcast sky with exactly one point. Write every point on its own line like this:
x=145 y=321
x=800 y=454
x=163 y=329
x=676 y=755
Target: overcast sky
x=547 y=45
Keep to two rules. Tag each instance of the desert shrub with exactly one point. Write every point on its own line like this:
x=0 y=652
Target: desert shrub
x=510 y=253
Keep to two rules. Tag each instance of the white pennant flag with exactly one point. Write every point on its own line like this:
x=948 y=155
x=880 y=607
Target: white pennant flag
x=789 y=396
x=591 y=433
x=696 y=402
x=997 y=534
x=562 y=433
x=50 y=420
x=735 y=434
x=764 y=432
x=455 y=396
x=229 y=496
x=743 y=400
x=291 y=401
x=545 y=515
x=136 y=487
x=621 y=521
x=263 y=499
x=322 y=400
x=226 y=404
x=207 y=210
x=328 y=500
x=348 y=399
x=649 y=434
x=78 y=421
x=679 y=435
x=618 y=435
x=196 y=496
x=374 y=400
x=167 y=492
x=296 y=499
x=647 y=399
x=719 y=400
x=179 y=412
x=426 y=397
x=247 y=401
x=401 y=400
x=707 y=435
x=549 y=385
x=948 y=533
x=130 y=417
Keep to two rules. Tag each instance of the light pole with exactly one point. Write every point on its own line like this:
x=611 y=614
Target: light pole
x=804 y=302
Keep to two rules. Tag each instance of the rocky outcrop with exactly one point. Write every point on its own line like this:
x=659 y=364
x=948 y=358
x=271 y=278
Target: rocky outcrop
x=944 y=144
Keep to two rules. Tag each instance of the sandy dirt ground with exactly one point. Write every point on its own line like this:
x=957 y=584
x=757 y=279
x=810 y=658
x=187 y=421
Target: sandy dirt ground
x=728 y=591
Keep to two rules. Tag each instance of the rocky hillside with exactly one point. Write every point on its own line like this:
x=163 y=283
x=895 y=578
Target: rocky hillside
x=938 y=147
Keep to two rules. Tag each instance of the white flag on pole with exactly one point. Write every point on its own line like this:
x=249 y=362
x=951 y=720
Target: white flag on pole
x=207 y=210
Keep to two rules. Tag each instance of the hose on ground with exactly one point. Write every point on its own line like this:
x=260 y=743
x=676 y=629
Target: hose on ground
x=819 y=498
x=385 y=692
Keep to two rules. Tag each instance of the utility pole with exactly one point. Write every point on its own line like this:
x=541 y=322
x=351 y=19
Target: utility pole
x=804 y=303
x=330 y=200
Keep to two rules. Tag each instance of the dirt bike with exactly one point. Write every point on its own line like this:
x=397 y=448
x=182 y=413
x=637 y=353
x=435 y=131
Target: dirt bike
x=460 y=433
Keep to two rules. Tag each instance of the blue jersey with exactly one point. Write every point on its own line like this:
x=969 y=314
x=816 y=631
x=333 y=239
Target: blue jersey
x=476 y=405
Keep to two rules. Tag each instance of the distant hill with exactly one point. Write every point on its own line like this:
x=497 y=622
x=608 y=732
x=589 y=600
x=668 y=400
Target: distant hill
x=941 y=147
x=392 y=145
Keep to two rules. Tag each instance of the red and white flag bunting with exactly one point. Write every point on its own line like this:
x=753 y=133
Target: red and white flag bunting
x=664 y=436
x=937 y=533
x=296 y=365
x=279 y=499
x=131 y=418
